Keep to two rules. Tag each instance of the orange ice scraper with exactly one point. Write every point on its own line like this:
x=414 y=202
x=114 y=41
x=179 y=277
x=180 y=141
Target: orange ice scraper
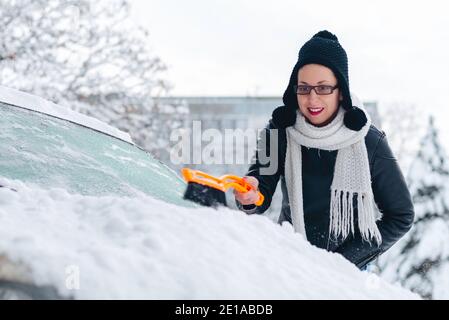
x=210 y=191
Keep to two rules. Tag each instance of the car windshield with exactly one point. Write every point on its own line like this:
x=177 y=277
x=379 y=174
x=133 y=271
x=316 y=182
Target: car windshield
x=55 y=153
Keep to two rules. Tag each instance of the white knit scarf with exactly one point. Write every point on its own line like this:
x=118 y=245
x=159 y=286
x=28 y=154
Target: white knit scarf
x=351 y=175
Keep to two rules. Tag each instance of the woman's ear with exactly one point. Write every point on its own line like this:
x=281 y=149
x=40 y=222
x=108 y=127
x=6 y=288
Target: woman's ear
x=341 y=97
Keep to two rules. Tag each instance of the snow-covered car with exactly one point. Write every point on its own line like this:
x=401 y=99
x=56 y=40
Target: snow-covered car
x=48 y=146
x=87 y=214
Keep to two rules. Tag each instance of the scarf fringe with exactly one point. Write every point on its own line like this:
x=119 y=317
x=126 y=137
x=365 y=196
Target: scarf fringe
x=342 y=215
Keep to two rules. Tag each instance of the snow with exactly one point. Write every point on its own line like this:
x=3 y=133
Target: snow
x=32 y=102
x=144 y=248
x=419 y=261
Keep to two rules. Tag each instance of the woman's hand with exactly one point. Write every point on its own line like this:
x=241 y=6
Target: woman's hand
x=249 y=197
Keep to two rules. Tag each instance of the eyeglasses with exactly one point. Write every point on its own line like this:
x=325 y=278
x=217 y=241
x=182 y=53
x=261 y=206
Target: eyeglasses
x=320 y=89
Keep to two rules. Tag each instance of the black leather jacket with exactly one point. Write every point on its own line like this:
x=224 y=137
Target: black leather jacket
x=389 y=188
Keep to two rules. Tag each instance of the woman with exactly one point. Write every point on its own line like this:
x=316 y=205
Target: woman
x=333 y=163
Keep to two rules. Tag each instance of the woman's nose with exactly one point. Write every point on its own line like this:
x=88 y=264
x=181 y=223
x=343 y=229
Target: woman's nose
x=313 y=95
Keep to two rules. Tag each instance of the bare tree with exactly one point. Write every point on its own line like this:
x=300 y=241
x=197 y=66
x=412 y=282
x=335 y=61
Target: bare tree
x=88 y=55
x=403 y=124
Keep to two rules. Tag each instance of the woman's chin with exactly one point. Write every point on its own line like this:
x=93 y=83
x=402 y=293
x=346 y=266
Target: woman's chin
x=316 y=122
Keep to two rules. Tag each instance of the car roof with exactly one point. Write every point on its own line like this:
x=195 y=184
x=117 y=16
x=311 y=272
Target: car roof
x=31 y=102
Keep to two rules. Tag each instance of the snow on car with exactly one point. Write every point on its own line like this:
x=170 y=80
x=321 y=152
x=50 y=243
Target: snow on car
x=86 y=214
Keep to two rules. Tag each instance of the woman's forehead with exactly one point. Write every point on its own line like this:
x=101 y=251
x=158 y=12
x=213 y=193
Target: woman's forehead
x=315 y=73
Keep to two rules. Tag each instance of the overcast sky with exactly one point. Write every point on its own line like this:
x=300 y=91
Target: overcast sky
x=398 y=50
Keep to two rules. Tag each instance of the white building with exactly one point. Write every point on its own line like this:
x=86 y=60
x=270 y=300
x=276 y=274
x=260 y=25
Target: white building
x=241 y=112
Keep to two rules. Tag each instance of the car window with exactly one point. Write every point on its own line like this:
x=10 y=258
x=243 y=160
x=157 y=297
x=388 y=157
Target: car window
x=51 y=152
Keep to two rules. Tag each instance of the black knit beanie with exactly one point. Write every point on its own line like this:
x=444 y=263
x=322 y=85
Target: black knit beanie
x=324 y=49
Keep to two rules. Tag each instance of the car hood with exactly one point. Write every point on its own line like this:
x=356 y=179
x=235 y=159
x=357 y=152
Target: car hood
x=125 y=248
